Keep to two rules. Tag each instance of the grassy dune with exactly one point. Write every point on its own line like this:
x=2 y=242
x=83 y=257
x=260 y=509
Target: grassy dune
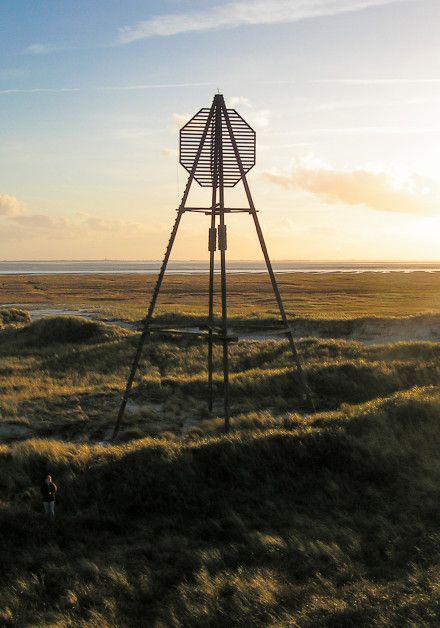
x=64 y=376
x=329 y=523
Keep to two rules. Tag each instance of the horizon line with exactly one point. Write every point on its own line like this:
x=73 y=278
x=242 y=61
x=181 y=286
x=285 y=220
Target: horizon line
x=296 y=261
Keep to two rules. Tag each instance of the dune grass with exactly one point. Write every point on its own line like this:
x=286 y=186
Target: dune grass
x=292 y=519
x=64 y=376
x=331 y=522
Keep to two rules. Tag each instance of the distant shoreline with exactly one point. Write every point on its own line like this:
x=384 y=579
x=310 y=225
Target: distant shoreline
x=201 y=267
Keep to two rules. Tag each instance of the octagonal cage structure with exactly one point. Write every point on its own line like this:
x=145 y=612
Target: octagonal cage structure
x=191 y=136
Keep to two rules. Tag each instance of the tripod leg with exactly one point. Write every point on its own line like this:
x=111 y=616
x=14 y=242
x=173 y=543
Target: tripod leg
x=301 y=374
x=226 y=409
x=210 y=369
x=212 y=247
x=223 y=247
x=299 y=368
x=149 y=316
x=145 y=332
x=129 y=384
x=225 y=342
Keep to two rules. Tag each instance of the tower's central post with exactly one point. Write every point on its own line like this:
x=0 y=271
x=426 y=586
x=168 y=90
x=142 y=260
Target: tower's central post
x=218 y=236
x=222 y=245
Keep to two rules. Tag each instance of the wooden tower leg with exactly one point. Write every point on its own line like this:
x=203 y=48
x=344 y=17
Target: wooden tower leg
x=148 y=318
x=296 y=358
x=212 y=239
x=212 y=245
x=253 y=211
x=145 y=331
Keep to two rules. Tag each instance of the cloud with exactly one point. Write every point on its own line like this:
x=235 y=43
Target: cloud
x=82 y=224
x=361 y=130
x=91 y=222
x=102 y=224
x=258 y=118
x=98 y=88
x=180 y=119
x=378 y=81
x=42 y=221
x=14 y=210
x=129 y=134
x=377 y=190
x=334 y=105
x=9 y=205
x=170 y=152
x=37 y=90
x=154 y=86
x=42 y=49
x=7 y=74
x=239 y=101
x=241 y=13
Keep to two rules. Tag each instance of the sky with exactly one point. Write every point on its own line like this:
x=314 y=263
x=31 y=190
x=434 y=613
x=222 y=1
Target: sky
x=344 y=96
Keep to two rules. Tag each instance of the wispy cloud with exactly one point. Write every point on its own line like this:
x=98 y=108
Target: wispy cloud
x=15 y=212
x=377 y=190
x=361 y=130
x=42 y=221
x=154 y=86
x=241 y=13
x=377 y=81
x=239 y=101
x=356 y=103
x=12 y=73
x=170 y=152
x=43 y=49
x=101 y=88
x=180 y=119
x=102 y=224
x=134 y=134
x=91 y=222
x=258 y=118
x=9 y=205
x=40 y=90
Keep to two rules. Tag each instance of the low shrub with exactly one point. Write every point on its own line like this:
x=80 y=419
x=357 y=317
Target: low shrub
x=13 y=316
x=61 y=329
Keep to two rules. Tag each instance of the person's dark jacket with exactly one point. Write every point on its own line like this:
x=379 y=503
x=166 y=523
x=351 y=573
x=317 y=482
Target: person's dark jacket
x=48 y=491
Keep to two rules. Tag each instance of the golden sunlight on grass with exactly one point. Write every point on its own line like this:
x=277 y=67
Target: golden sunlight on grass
x=292 y=518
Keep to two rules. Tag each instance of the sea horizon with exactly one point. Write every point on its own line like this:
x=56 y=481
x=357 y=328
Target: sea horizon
x=197 y=267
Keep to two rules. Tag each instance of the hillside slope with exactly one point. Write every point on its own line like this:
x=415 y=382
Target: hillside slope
x=333 y=521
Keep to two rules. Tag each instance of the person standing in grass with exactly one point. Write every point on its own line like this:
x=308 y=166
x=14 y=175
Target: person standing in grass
x=48 y=491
